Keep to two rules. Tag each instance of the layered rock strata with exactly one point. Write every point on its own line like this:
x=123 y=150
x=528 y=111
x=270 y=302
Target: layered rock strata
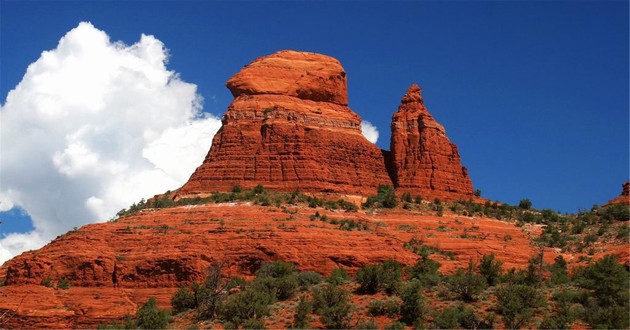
x=115 y=267
x=423 y=159
x=289 y=127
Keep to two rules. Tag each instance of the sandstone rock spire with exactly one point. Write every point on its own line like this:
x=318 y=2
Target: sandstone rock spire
x=289 y=128
x=423 y=159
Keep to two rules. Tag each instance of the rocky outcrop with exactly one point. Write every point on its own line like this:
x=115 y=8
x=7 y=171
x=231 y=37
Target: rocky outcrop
x=423 y=160
x=289 y=128
x=624 y=198
x=114 y=267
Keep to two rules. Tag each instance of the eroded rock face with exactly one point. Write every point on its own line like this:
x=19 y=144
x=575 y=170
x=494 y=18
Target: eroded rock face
x=289 y=128
x=307 y=76
x=423 y=159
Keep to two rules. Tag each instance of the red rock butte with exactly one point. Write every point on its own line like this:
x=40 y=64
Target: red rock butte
x=289 y=127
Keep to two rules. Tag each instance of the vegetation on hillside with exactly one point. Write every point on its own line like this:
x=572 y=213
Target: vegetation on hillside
x=481 y=295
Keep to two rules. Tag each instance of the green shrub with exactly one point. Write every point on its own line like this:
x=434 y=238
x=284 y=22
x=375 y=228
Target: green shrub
x=559 y=273
x=413 y=307
x=606 y=317
x=534 y=274
x=332 y=304
x=623 y=232
x=227 y=325
x=387 y=307
x=347 y=206
x=385 y=197
x=384 y=276
x=253 y=324
x=467 y=319
x=525 y=204
x=300 y=318
x=440 y=210
x=259 y=189
x=278 y=278
x=338 y=276
x=210 y=294
x=426 y=270
x=615 y=212
x=237 y=189
x=368 y=279
x=63 y=284
x=47 y=281
x=608 y=280
x=275 y=269
x=129 y=323
x=448 y=318
x=396 y=325
x=246 y=305
x=467 y=285
x=150 y=316
x=308 y=278
x=490 y=269
x=182 y=300
x=163 y=202
x=517 y=303
x=564 y=314
x=235 y=282
x=367 y=325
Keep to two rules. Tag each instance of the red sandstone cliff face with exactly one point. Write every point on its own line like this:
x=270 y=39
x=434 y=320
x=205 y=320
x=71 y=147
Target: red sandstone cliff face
x=424 y=161
x=289 y=128
x=624 y=198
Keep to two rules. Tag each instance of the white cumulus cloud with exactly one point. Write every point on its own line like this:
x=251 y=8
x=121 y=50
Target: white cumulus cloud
x=369 y=131
x=94 y=126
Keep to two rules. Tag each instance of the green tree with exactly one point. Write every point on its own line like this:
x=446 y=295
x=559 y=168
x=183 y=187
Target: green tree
x=259 y=189
x=250 y=304
x=425 y=270
x=607 y=278
x=525 y=204
x=300 y=318
x=490 y=269
x=608 y=304
x=150 y=316
x=387 y=196
x=559 y=273
x=332 y=304
x=448 y=318
x=63 y=284
x=563 y=312
x=211 y=293
x=278 y=278
x=467 y=285
x=517 y=303
x=384 y=276
x=338 y=276
x=413 y=307
x=182 y=300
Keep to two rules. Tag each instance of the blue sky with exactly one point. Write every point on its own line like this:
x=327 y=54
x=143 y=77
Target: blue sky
x=534 y=93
